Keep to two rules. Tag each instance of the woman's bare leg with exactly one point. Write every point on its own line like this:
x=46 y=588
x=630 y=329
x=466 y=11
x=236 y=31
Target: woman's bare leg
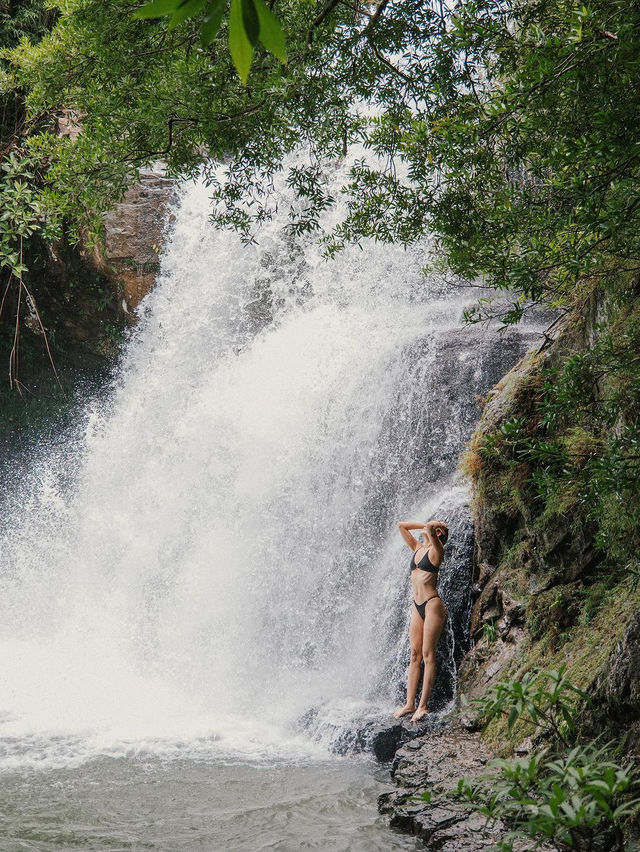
x=415 y=641
x=435 y=616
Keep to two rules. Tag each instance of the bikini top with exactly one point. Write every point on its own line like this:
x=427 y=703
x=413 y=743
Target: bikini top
x=424 y=564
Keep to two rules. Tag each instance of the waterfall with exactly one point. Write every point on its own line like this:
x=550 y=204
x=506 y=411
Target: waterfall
x=214 y=552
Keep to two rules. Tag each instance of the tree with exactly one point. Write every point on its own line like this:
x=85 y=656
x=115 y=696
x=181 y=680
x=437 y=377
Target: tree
x=515 y=123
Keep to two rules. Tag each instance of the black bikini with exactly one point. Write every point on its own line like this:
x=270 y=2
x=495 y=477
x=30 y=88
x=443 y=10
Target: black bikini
x=421 y=566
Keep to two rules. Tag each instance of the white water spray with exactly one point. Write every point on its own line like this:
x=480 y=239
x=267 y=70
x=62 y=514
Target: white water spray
x=225 y=555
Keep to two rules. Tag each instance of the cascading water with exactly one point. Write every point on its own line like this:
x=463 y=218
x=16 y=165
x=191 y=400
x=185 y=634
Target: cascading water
x=217 y=553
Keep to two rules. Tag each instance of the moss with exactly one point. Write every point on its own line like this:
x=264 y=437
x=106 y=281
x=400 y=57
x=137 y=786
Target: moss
x=585 y=649
x=590 y=644
x=582 y=445
x=553 y=611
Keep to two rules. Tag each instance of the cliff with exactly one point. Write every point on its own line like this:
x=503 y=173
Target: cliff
x=555 y=556
x=553 y=466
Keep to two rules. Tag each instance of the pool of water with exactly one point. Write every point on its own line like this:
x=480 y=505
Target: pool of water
x=145 y=802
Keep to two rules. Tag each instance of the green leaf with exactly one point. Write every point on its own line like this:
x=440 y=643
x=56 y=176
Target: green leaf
x=212 y=22
x=157 y=9
x=250 y=20
x=240 y=47
x=271 y=33
x=626 y=808
x=186 y=10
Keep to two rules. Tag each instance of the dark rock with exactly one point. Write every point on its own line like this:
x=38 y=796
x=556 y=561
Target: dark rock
x=381 y=736
x=441 y=759
x=385 y=740
x=617 y=693
x=621 y=684
x=470 y=724
x=476 y=590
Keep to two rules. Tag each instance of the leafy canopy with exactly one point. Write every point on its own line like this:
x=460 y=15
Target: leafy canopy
x=507 y=129
x=249 y=21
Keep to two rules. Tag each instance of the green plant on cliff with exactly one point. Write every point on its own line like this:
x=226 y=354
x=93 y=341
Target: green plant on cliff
x=540 y=698
x=21 y=216
x=579 y=800
x=571 y=446
x=578 y=795
x=22 y=212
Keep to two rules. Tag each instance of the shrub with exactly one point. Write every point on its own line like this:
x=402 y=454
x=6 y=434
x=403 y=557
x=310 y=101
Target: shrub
x=576 y=795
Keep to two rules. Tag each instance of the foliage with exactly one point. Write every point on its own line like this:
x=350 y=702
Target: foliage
x=141 y=90
x=540 y=697
x=574 y=799
x=572 y=438
x=22 y=212
x=489 y=632
x=24 y=19
x=506 y=128
x=249 y=21
x=572 y=794
x=516 y=126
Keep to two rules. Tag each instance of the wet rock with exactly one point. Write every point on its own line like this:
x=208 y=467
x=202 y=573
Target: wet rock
x=382 y=736
x=385 y=740
x=439 y=758
x=425 y=770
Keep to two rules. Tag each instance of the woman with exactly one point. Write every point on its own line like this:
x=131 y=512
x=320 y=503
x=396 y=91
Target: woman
x=428 y=612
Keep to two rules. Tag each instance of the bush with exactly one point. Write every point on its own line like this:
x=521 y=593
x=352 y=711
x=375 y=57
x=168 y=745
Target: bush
x=576 y=795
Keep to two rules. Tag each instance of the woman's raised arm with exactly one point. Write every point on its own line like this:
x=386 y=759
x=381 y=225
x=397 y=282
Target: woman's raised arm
x=404 y=527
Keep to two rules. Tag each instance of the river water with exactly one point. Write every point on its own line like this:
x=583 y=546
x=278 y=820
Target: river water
x=202 y=590
x=141 y=802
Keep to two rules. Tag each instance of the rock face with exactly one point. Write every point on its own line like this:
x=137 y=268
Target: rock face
x=385 y=740
x=541 y=600
x=432 y=765
x=134 y=234
x=134 y=230
x=621 y=682
x=618 y=691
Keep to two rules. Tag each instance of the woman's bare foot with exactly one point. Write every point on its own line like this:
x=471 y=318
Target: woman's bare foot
x=420 y=712
x=404 y=711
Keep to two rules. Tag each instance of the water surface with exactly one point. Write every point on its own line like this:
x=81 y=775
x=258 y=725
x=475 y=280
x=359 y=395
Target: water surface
x=145 y=803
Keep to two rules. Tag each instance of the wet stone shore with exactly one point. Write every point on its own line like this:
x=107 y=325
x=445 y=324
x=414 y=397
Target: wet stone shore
x=435 y=762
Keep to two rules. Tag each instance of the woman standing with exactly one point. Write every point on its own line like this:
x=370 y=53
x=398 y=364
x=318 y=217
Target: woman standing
x=428 y=613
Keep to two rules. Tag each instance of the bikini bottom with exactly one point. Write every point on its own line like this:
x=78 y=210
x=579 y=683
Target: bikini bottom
x=420 y=607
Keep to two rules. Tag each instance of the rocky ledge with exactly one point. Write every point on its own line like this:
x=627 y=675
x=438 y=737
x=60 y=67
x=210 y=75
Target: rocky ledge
x=433 y=763
x=385 y=739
